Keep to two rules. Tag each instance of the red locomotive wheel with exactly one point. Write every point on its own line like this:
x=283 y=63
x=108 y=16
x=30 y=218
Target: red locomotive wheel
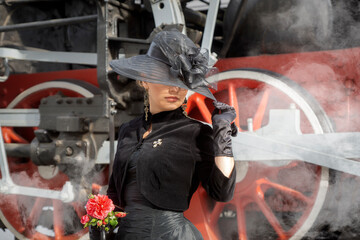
x=38 y=218
x=273 y=199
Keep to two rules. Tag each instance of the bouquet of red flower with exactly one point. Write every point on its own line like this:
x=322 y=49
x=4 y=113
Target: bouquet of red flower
x=100 y=213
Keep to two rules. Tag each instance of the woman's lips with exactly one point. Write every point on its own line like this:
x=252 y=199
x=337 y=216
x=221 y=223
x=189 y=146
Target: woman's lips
x=172 y=99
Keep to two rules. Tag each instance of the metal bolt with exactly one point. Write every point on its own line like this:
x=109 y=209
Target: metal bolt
x=58 y=143
x=57 y=158
x=250 y=124
x=79 y=159
x=64 y=196
x=113 y=112
x=113 y=103
x=78 y=143
x=69 y=151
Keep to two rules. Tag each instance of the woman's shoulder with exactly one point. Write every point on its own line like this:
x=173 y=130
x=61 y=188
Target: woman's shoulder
x=132 y=124
x=135 y=122
x=200 y=126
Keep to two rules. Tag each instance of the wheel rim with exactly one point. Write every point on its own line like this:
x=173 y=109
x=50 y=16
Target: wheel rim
x=262 y=179
x=25 y=219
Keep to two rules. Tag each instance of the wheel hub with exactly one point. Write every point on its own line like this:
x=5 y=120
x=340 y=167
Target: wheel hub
x=241 y=170
x=48 y=172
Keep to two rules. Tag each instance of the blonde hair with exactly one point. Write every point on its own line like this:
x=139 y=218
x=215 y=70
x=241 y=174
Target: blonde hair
x=139 y=83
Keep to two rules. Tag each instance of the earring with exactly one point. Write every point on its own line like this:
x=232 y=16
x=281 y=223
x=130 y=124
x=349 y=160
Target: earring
x=146 y=105
x=184 y=106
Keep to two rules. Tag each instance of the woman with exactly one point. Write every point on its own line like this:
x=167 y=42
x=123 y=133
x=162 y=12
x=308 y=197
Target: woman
x=163 y=156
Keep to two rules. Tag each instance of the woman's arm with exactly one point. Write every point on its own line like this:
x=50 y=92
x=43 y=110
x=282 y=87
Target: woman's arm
x=225 y=164
x=216 y=169
x=223 y=130
x=112 y=192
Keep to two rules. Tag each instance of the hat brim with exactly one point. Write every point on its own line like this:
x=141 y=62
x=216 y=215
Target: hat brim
x=145 y=68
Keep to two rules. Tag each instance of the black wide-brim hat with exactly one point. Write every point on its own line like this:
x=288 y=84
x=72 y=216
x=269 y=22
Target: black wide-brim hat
x=172 y=59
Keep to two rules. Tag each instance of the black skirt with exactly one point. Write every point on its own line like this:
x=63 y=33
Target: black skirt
x=143 y=222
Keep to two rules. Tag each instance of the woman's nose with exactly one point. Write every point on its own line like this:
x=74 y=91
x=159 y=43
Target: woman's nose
x=174 y=89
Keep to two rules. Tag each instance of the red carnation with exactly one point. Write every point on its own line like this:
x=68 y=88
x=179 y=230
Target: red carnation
x=99 y=206
x=85 y=219
x=120 y=214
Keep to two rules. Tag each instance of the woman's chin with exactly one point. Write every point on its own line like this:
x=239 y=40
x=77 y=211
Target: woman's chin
x=172 y=106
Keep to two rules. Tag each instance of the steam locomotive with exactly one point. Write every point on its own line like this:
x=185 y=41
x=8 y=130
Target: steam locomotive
x=289 y=67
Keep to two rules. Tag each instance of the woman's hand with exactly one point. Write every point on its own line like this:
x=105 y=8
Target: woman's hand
x=223 y=130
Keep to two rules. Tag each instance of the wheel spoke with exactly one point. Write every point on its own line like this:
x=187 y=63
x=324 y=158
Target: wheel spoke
x=204 y=110
x=35 y=213
x=79 y=209
x=216 y=214
x=241 y=221
x=259 y=115
x=271 y=218
x=233 y=101
x=268 y=213
x=58 y=219
x=39 y=236
x=6 y=136
x=12 y=136
x=10 y=209
x=286 y=190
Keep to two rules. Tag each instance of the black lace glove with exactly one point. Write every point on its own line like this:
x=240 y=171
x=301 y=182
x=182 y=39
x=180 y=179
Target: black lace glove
x=223 y=128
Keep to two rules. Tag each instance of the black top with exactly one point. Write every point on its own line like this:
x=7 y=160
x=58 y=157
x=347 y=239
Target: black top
x=131 y=193
x=171 y=161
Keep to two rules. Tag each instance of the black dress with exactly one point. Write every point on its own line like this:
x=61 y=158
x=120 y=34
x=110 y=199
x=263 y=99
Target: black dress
x=154 y=178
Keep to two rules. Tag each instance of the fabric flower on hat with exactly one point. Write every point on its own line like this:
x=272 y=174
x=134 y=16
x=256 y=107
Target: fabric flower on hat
x=185 y=58
x=192 y=67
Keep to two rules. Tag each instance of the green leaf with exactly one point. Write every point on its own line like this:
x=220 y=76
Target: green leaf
x=107 y=229
x=86 y=225
x=93 y=220
x=113 y=222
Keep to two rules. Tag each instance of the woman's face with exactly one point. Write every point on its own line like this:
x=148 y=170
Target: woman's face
x=164 y=98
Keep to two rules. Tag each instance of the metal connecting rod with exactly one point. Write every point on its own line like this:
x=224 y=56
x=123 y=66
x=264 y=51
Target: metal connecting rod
x=282 y=141
x=48 y=23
